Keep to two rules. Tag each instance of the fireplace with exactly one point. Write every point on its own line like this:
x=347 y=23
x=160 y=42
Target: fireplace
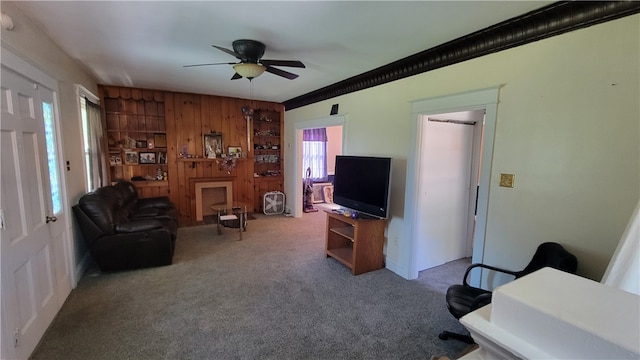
x=210 y=193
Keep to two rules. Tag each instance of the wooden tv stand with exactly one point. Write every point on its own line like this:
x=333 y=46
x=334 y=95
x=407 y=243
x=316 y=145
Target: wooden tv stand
x=357 y=243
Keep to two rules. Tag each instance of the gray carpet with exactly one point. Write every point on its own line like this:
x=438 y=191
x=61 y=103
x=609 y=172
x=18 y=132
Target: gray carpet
x=273 y=295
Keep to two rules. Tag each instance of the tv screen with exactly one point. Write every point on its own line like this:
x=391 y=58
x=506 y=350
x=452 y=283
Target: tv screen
x=362 y=183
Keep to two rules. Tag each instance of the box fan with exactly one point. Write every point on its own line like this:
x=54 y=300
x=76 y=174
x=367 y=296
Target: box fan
x=273 y=203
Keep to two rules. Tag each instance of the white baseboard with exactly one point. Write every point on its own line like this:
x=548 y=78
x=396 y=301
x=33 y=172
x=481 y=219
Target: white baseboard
x=398 y=270
x=82 y=266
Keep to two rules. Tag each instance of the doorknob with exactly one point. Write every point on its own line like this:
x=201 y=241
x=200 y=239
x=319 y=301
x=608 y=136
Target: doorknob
x=51 y=219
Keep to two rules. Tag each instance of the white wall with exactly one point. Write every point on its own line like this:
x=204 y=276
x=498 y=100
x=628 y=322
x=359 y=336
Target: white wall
x=28 y=41
x=567 y=127
x=334 y=147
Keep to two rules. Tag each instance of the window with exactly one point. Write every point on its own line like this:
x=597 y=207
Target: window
x=92 y=140
x=52 y=157
x=85 y=142
x=314 y=153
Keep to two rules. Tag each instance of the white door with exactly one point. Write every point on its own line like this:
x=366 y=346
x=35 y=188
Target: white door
x=444 y=193
x=35 y=270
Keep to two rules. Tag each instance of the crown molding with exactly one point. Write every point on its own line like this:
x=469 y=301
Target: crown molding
x=555 y=19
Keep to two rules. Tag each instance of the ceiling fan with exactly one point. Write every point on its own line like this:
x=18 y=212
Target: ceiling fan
x=251 y=64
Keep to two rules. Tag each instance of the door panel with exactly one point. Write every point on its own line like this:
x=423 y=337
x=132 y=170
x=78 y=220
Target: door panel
x=29 y=288
x=444 y=193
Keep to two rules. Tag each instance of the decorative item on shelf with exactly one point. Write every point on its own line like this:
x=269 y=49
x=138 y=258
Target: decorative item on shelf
x=228 y=163
x=128 y=143
x=141 y=144
x=115 y=159
x=162 y=157
x=160 y=140
x=150 y=144
x=111 y=141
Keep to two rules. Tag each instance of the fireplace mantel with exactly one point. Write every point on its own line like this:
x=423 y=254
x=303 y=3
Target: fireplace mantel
x=196 y=185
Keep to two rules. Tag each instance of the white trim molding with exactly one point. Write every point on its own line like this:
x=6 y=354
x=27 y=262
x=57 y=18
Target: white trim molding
x=486 y=99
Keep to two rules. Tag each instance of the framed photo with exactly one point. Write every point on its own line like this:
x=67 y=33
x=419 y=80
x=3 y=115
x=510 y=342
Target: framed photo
x=160 y=140
x=115 y=159
x=147 y=158
x=235 y=151
x=130 y=157
x=327 y=193
x=318 y=195
x=162 y=157
x=213 y=145
x=141 y=144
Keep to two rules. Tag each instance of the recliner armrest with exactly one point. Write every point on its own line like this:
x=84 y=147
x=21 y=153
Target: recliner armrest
x=138 y=225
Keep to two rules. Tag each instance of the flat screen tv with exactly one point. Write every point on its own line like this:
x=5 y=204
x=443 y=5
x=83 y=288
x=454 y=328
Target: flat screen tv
x=361 y=183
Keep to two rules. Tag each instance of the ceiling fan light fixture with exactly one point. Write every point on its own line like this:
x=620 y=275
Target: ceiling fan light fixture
x=249 y=70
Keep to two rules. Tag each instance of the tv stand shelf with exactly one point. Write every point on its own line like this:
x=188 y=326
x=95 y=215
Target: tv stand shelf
x=356 y=243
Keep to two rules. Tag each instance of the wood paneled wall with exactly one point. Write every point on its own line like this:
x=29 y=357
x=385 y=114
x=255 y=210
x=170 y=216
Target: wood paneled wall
x=189 y=117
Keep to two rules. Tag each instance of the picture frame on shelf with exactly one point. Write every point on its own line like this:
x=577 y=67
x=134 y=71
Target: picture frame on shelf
x=128 y=142
x=235 y=151
x=213 y=146
x=130 y=157
x=115 y=159
x=147 y=157
x=162 y=157
x=141 y=144
x=160 y=140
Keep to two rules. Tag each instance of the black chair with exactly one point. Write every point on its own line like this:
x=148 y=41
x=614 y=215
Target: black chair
x=463 y=299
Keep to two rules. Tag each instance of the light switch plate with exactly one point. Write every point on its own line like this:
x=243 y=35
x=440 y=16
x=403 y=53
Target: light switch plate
x=506 y=180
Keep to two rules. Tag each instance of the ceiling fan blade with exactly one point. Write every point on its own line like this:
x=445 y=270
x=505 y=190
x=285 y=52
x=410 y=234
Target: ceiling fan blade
x=290 y=63
x=236 y=76
x=208 y=64
x=279 y=72
x=232 y=53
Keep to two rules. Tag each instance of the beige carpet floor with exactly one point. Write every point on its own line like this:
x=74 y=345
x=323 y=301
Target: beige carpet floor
x=273 y=295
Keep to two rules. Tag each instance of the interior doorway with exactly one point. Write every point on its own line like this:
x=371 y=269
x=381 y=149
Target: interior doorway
x=482 y=99
x=447 y=186
x=295 y=200
x=319 y=150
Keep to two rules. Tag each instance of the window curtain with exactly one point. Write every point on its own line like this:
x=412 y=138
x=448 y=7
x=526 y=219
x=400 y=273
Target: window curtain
x=314 y=153
x=97 y=162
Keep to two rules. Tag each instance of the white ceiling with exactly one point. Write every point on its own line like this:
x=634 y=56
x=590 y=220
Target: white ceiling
x=146 y=43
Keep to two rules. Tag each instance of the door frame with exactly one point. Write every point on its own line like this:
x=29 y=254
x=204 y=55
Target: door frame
x=482 y=99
